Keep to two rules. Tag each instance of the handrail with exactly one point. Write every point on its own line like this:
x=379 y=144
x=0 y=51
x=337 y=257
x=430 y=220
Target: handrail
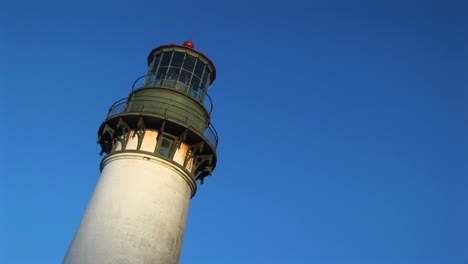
x=139 y=78
x=212 y=135
x=161 y=108
x=208 y=104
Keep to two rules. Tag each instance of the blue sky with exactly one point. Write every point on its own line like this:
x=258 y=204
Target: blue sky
x=343 y=125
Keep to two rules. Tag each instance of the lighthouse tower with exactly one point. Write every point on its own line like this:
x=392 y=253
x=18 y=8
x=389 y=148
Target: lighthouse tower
x=157 y=142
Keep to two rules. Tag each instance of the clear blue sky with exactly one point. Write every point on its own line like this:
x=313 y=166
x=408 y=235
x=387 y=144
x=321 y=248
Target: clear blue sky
x=343 y=126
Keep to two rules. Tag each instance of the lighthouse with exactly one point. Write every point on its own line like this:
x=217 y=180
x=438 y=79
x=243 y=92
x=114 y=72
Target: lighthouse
x=157 y=143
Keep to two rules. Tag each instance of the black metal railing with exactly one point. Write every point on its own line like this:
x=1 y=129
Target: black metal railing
x=156 y=107
x=199 y=94
x=212 y=135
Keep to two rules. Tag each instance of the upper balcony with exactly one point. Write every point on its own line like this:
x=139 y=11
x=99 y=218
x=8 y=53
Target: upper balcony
x=176 y=82
x=155 y=106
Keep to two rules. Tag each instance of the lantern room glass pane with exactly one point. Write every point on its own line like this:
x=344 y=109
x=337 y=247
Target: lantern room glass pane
x=162 y=71
x=150 y=80
x=177 y=59
x=155 y=63
x=185 y=77
x=194 y=91
x=166 y=58
x=205 y=80
x=201 y=95
x=173 y=73
x=199 y=68
x=195 y=82
x=159 y=77
x=189 y=62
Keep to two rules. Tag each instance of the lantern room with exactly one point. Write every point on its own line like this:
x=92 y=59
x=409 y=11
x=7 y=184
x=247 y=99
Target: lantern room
x=182 y=68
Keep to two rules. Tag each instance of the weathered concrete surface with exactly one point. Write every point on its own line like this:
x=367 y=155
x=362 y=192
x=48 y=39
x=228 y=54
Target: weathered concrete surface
x=137 y=213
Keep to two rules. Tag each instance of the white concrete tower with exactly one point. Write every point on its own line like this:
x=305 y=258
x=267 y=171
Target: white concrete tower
x=158 y=141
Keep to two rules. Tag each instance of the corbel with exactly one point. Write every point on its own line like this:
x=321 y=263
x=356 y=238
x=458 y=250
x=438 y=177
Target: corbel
x=193 y=149
x=141 y=128
x=199 y=160
x=106 y=139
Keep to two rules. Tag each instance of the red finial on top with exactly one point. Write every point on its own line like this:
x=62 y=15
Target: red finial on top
x=189 y=43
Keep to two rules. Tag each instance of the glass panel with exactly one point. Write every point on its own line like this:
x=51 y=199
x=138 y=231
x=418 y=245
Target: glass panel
x=177 y=59
x=195 y=82
x=150 y=64
x=149 y=79
x=171 y=77
x=165 y=147
x=162 y=71
x=203 y=86
x=199 y=68
x=189 y=63
x=152 y=69
x=155 y=63
x=201 y=95
x=206 y=77
x=185 y=77
x=173 y=73
x=194 y=91
x=166 y=58
x=159 y=76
